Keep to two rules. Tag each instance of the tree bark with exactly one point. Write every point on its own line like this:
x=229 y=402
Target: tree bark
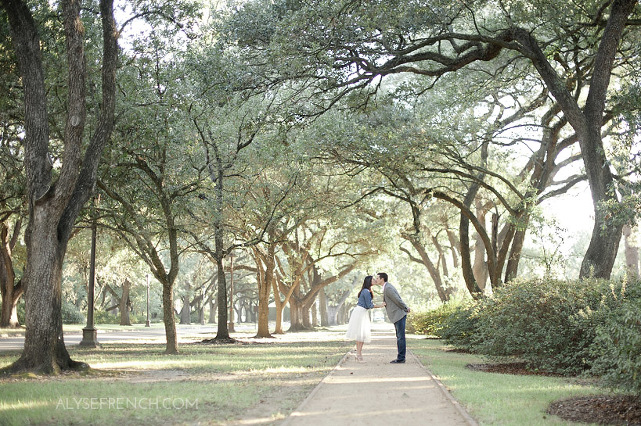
x=295 y=314
x=185 y=311
x=277 y=288
x=322 y=307
x=11 y=291
x=479 y=267
x=264 y=289
x=223 y=329
x=305 y=317
x=125 y=303
x=212 y=311
x=171 y=347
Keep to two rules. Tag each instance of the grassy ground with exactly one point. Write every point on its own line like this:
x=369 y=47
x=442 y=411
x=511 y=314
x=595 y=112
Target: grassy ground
x=77 y=328
x=205 y=384
x=497 y=399
x=254 y=383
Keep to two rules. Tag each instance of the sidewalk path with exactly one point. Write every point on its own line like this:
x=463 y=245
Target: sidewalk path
x=379 y=393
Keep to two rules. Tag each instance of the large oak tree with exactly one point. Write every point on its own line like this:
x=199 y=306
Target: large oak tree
x=57 y=192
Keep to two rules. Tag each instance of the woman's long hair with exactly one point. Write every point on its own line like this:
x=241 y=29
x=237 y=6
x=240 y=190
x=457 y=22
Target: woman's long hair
x=367 y=285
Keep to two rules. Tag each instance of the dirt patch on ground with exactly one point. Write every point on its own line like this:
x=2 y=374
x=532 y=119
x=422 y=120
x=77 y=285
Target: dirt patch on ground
x=599 y=409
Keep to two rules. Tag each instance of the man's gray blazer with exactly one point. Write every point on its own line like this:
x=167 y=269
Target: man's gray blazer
x=394 y=305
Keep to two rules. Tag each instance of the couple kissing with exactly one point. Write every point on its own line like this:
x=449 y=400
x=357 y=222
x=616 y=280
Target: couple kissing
x=359 y=327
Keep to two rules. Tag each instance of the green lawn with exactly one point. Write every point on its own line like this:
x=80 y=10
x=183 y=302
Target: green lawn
x=497 y=399
x=205 y=384
x=135 y=384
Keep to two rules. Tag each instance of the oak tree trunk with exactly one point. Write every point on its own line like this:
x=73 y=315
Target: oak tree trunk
x=264 y=290
x=280 y=306
x=322 y=307
x=125 y=303
x=212 y=312
x=185 y=312
x=44 y=347
x=10 y=290
x=305 y=316
x=168 y=317
x=295 y=315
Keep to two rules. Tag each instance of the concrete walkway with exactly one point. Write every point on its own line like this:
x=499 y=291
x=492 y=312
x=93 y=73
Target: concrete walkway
x=379 y=393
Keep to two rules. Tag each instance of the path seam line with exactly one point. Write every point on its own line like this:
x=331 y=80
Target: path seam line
x=468 y=418
x=299 y=409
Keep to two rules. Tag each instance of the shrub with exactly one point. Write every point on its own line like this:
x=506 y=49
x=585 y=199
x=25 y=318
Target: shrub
x=549 y=324
x=104 y=317
x=617 y=346
x=430 y=323
x=460 y=328
x=71 y=314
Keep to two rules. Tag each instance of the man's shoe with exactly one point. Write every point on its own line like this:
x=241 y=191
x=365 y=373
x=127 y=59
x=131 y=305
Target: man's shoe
x=398 y=361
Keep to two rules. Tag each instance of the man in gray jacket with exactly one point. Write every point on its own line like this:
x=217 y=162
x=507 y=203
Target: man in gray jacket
x=397 y=312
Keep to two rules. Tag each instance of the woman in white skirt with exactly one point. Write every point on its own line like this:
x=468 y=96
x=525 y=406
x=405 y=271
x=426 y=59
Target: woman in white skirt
x=359 y=327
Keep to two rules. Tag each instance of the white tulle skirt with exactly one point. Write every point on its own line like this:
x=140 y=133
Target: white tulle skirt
x=359 y=327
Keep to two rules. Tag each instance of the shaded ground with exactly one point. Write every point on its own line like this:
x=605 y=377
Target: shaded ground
x=600 y=409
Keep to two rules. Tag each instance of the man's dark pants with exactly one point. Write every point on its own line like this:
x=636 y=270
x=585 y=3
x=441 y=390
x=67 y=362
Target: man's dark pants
x=400 y=338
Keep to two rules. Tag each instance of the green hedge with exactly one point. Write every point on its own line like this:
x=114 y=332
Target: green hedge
x=430 y=323
x=549 y=324
x=566 y=327
x=460 y=329
x=617 y=347
x=71 y=314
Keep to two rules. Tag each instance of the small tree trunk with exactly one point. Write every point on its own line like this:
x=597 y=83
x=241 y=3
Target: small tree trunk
x=223 y=329
x=322 y=302
x=9 y=317
x=295 y=314
x=280 y=308
x=212 y=312
x=125 y=303
x=466 y=264
x=201 y=314
x=512 y=269
x=10 y=291
x=264 y=290
x=480 y=265
x=168 y=318
x=307 y=316
x=185 y=312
